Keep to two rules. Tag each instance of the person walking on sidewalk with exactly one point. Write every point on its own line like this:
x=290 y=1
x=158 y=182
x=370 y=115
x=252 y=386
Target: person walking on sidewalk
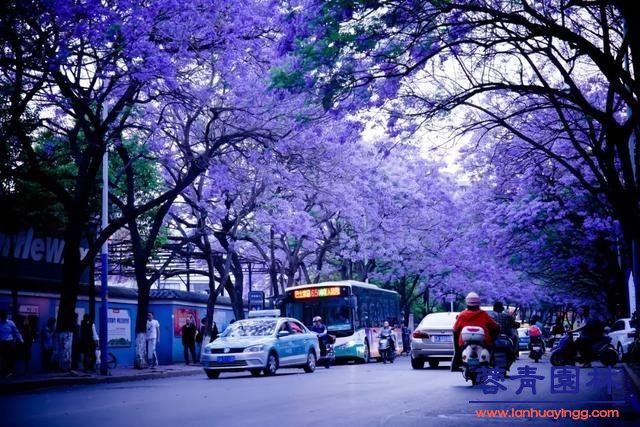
x=9 y=337
x=88 y=343
x=200 y=335
x=28 y=331
x=46 y=343
x=153 y=338
x=189 y=332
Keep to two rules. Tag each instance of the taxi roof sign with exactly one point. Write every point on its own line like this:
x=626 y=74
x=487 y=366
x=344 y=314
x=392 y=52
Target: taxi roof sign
x=264 y=313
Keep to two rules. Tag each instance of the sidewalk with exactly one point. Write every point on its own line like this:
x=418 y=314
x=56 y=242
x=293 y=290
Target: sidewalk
x=633 y=373
x=21 y=382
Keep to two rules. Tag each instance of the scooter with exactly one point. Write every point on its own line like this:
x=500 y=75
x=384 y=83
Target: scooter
x=503 y=353
x=552 y=340
x=474 y=355
x=385 y=348
x=536 y=348
x=566 y=353
x=329 y=357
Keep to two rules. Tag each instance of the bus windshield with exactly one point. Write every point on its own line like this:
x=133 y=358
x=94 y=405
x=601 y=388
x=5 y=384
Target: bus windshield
x=335 y=313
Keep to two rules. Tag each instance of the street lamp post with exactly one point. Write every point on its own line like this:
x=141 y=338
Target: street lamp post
x=104 y=369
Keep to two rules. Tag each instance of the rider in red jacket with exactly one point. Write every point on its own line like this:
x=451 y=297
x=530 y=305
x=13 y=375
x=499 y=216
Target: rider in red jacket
x=473 y=316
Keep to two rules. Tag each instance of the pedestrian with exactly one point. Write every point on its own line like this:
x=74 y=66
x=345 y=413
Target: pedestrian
x=153 y=339
x=9 y=338
x=46 y=343
x=189 y=332
x=28 y=333
x=88 y=343
x=200 y=335
x=406 y=340
x=75 y=344
x=214 y=331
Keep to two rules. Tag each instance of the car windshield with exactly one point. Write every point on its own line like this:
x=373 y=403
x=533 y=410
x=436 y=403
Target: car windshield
x=250 y=328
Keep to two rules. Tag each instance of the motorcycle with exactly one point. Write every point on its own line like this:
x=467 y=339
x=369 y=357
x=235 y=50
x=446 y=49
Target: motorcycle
x=552 y=340
x=503 y=354
x=329 y=358
x=386 y=348
x=536 y=348
x=565 y=352
x=474 y=355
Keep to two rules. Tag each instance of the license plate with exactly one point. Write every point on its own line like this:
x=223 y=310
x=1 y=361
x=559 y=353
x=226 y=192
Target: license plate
x=442 y=338
x=536 y=348
x=226 y=359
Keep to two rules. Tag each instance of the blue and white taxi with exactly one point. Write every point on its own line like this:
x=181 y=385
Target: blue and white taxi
x=262 y=343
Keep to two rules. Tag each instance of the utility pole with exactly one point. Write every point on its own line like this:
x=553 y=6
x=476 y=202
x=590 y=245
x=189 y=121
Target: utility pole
x=104 y=306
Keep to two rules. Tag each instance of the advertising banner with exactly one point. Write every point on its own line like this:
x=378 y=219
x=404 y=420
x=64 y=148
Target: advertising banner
x=180 y=318
x=29 y=255
x=119 y=328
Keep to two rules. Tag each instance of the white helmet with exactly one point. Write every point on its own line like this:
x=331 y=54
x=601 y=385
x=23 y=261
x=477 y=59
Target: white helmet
x=317 y=319
x=473 y=299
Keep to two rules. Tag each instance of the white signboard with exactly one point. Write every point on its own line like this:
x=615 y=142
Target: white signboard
x=119 y=328
x=29 y=310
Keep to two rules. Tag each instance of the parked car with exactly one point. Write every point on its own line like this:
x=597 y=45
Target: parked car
x=262 y=343
x=432 y=340
x=523 y=339
x=622 y=334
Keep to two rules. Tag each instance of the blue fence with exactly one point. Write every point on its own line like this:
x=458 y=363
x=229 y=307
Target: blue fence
x=170 y=308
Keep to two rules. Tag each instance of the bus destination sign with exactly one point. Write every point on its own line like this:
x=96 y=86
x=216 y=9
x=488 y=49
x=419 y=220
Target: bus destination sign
x=333 y=291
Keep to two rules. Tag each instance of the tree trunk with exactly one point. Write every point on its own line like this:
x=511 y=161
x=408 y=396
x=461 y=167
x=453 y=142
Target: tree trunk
x=68 y=295
x=272 y=267
x=62 y=344
x=144 y=289
x=213 y=292
x=140 y=359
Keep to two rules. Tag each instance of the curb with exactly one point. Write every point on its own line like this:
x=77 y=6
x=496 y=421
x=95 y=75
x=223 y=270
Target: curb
x=634 y=377
x=43 y=383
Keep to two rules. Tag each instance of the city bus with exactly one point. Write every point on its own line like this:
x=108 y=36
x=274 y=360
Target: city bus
x=352 y=311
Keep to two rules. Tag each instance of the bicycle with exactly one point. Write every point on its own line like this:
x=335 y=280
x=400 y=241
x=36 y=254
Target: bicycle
x=112 y=361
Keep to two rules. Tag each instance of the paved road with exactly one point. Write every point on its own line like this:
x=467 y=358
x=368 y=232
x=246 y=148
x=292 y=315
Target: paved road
x=350 y=395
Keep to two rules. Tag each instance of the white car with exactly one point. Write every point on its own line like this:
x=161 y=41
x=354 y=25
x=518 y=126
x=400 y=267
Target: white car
x=622 y=334
x=432 y=341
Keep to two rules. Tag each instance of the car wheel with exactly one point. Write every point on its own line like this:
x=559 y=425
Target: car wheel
x=417 y=363
x=433 y=364
x=311 y=363
x=272 y=365
x=212 y=374
x=255 y=372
